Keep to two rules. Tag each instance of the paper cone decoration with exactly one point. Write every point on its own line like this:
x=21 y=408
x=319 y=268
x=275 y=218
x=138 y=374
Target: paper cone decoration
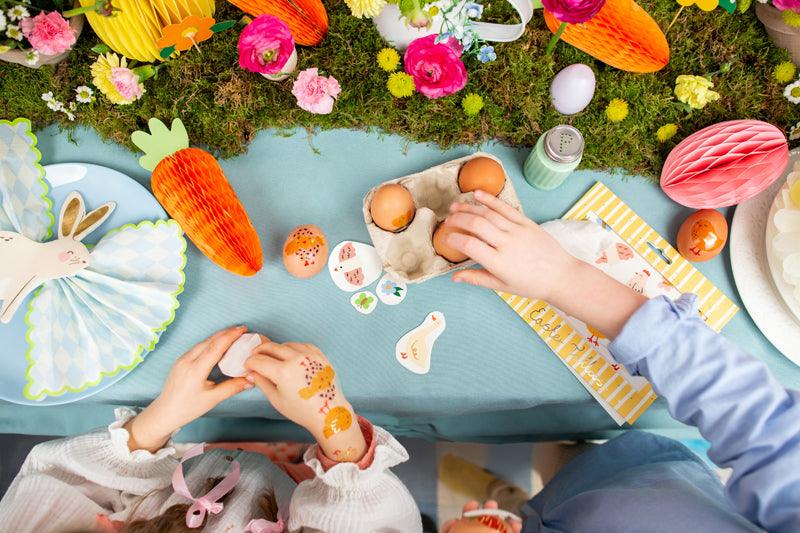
x=307 y=19
x=622 y=35
x=92 y=314
x=725 y=164
x=134 y=30
x=191 y=186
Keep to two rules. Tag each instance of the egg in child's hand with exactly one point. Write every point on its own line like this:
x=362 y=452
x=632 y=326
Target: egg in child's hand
x=305 y=252
x=442 y=248
x=702 y=235
x=482 y=173
x=392 y=207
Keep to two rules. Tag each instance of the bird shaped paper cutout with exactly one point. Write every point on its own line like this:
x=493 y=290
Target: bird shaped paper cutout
x=94 y=311
x=354 y=265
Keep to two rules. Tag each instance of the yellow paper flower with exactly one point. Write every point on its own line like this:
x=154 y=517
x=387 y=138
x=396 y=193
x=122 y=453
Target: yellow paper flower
x=113 y=78
x=695 y=91
x=400 y=84
x=666 y=132
x=784 y=72
x=389 y=59
x=472 y=104
x=365 y=8
x=617 y=110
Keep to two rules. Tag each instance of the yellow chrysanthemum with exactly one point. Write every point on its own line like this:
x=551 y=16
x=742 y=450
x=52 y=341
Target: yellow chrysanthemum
x=784 y=72
x=666 y=132
x=388 y=59
x=365 y=8
x=400 y=84
x=791 y=18
x=695 y=91
x=103 y=78
x=472 y=104
x=617 y=110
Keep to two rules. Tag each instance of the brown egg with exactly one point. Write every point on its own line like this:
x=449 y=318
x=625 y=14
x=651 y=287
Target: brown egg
x=305 y=251
x=392 y=207
x=482 y=173
x=441 y=248
x=702 y=235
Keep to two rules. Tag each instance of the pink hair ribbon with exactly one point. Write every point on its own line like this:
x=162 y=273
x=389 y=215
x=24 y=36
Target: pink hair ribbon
x=208 y=503
x=262 y=525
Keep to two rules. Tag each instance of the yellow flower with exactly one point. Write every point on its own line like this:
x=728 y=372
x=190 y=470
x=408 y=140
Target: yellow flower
x=666 y=132
x=111 y=67
x=400 y=84
x=472 y=104
x=4 y=49
x=695 y=91
x=617 y=110
x=365 y=8
x=784 y=72
x=791 y=18
x=388 y=59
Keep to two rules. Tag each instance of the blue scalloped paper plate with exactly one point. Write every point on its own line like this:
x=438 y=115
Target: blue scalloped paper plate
x=97 y=185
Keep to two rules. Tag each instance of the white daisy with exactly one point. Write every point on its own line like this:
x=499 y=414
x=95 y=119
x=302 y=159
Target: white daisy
x=13 y=32
x=85 y=95
x=794 y=132
x=48 y=97
x=792 y=92
x=31 y=57
x=18 y=13
x=3 y=21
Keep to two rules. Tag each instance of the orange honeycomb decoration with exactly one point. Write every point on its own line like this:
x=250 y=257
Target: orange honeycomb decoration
x=193 y=189
x=307 y=19
x=622 y=35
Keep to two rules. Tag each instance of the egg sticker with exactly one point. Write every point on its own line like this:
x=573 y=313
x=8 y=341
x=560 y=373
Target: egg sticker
x=391 y=292
x=354 y=265
x=364 y=302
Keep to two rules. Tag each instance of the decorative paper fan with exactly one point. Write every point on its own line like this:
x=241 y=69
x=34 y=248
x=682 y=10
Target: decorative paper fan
x=725 y=164
x=622 y=35
x=94 y=312
x=307 y=19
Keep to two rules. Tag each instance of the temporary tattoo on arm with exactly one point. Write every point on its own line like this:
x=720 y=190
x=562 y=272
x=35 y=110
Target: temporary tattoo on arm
x=320 y=381
x=348 y=455
x=337 y=420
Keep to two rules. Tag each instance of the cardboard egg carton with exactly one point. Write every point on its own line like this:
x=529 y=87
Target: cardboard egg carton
x=408 y=255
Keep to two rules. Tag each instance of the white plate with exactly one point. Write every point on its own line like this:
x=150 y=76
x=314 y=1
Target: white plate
x=775 y=264
x=752 y=274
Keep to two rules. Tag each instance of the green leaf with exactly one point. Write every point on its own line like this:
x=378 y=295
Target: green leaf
x=101 y=49
x=145 y=72
x=744 y=5
x=161 y=142
x=728 y=5
x=166 y=52
x=222 y=26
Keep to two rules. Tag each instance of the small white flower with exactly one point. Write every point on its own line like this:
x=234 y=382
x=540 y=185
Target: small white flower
x=13 y=32
x=55 y=105
x=32 y=57
x=792 y=92
x=18 y=13
x=3 y=21
x=48 y=97
x=794 y=132
x=84 y=94
x=70 y=116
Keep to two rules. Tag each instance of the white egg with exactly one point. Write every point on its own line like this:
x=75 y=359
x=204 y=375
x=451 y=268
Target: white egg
x=572 y=89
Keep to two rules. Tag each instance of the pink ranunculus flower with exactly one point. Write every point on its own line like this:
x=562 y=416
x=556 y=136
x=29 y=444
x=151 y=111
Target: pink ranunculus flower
x=48 y=33
x=265 y=45
x=127 y=83
x=315 y=93
x=573 y=11
x=437 y=68
x=783 y=5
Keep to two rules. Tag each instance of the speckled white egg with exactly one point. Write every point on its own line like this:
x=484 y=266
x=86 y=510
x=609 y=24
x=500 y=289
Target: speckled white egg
x=572 y=89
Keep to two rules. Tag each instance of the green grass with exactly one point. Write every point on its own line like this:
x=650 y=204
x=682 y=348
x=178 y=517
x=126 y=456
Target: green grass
x=223 y=106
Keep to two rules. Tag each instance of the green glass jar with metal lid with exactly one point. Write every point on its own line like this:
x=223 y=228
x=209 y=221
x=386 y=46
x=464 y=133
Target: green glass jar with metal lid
x=557 y=153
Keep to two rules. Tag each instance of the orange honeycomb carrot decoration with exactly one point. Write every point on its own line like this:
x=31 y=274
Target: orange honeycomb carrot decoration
x=622 y=35
x=307 y=19
x=191 y=186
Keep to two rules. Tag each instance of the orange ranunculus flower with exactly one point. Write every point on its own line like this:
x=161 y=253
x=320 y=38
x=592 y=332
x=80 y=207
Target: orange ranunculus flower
x=188 y=32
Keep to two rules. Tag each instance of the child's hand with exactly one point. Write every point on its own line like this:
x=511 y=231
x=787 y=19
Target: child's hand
x=518 y=256
x=301 y=384
x=458 y=525
x=188 y=394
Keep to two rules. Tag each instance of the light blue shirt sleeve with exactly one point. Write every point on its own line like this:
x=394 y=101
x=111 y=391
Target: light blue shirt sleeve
x=752 y=422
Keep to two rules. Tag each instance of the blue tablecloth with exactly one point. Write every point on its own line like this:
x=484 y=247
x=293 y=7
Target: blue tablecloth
x=491 y=377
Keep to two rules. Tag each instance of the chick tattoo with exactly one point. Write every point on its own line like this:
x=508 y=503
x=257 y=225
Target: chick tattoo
x=320 y=381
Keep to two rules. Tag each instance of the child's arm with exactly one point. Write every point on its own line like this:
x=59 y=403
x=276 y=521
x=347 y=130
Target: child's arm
x=353 y=490
x=752 y=422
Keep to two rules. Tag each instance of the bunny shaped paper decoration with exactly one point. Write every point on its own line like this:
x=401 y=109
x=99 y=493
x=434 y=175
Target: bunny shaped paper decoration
x=93 y=311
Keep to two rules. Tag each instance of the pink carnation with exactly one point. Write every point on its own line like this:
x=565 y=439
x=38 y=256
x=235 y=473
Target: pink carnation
x=315 y=93
x=783 y=5
x=437 y=68
x=126 y=82
x=49 y=34
x=265 y=45
x=573 y=11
